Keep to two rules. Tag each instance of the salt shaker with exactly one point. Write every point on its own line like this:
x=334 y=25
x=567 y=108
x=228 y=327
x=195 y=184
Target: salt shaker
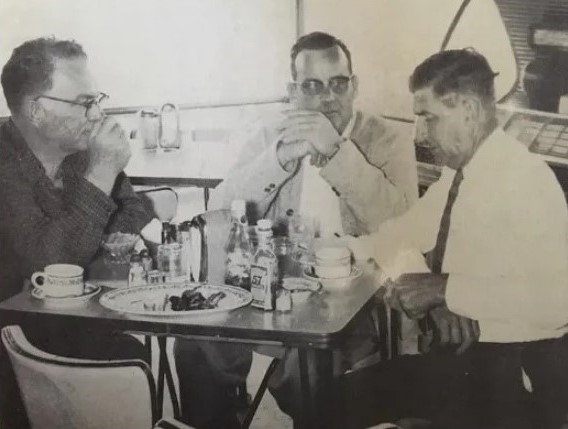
x=136 y=273
x=146 y=260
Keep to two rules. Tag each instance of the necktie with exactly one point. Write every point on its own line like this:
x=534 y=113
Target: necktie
x=436 y=256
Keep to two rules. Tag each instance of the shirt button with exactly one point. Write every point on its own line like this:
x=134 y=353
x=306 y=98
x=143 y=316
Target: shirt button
x=272 y=185
x=289 y=212
x=266 y=189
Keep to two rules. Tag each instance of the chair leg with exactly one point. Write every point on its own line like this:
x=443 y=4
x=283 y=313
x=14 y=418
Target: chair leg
x=259 y=394
x=165 y=372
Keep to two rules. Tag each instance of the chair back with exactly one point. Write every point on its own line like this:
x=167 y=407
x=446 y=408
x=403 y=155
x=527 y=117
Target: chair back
x=162 y=202
x=61 y=392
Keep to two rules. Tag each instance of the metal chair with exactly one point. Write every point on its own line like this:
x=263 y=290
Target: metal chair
x=162 y=202
x=60 y=392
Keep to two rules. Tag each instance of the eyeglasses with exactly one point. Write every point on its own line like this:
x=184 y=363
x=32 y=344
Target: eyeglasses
x=338 y=85
x=87 y=104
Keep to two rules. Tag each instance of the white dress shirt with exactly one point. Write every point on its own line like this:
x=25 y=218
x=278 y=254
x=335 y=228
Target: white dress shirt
x=318 y=201
x=507 y=249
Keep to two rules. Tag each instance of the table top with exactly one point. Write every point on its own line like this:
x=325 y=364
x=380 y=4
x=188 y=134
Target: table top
x=203 y=164
x=319 y=322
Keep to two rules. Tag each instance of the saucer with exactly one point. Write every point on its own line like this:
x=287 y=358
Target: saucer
x=300 y=288
x=335 y=283
x=67 y=301
x=355 y=272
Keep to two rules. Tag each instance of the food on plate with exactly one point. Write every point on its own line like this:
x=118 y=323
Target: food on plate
x=191 y=299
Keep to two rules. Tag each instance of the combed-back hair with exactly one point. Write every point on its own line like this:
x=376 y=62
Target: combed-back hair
x=316 y=41
x=29 y=70
x=461 y=71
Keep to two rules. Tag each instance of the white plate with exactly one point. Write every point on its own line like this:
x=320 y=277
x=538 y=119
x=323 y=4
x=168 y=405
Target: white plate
x=67 y=301
x=132 y=300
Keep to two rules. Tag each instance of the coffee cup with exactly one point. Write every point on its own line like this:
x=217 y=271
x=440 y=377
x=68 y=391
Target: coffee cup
x=60 y=280
x=332 y=262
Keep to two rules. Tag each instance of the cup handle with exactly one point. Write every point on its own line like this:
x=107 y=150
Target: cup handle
x=34 y=278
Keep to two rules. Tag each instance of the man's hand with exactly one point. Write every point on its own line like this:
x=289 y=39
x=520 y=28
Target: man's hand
x=455 y=329
x=312 y=127
x=418 y=292
x=108 y=153
x=295 y=151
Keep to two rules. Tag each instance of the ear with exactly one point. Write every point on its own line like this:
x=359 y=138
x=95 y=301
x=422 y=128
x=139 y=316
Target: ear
x=291 y=88
x=36 y=112
x=472 y=109
x=355 y=83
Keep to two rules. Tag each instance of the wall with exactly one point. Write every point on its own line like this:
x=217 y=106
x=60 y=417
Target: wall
x=388 y=38
x=153 y=51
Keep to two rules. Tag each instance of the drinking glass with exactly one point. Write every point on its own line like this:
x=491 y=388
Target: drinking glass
x=301 y=233
x=170 y=261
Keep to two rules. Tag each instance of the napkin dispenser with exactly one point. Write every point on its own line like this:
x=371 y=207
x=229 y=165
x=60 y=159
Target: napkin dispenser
x=198 y=244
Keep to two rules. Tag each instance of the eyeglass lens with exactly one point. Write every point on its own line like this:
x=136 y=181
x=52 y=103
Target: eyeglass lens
x=337 y=84
x=91 y=112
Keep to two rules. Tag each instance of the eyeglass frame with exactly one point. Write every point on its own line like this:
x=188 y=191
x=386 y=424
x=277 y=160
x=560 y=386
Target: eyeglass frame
x=324 y=85
x=88 y=105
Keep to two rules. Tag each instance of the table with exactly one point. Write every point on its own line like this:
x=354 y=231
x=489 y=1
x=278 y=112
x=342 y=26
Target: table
x=319 y=324
x=198 y=164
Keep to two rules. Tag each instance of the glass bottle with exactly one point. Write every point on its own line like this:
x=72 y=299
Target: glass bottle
x=238 y=250
x=264 y=268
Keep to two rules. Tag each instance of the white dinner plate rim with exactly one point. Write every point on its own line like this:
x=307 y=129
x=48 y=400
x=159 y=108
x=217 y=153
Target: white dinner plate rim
x=244 y=297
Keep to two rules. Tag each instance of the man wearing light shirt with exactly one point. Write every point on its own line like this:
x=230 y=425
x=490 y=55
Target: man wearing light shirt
x=324 y=160
x=495 y=228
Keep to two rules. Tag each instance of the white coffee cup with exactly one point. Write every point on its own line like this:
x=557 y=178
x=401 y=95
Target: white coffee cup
x=333 y=262
x=60 y=280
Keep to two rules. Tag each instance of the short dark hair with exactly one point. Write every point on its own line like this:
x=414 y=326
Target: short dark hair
x=317 y=41
x=460 y=70
x=30 y=68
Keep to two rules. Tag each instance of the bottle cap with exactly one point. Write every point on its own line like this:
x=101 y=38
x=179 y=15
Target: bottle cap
x=238 y=207
x=135 y=258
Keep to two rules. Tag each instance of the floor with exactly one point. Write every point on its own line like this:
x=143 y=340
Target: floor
x=268 y=415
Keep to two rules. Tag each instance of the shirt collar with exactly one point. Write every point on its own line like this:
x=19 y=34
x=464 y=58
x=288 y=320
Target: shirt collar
x=486 y=154
x=31 y=166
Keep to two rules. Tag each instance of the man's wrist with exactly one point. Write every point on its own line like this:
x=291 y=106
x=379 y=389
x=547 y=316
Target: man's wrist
x=441 y=288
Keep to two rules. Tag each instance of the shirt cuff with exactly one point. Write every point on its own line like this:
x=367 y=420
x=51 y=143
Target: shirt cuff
x=467 y=297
